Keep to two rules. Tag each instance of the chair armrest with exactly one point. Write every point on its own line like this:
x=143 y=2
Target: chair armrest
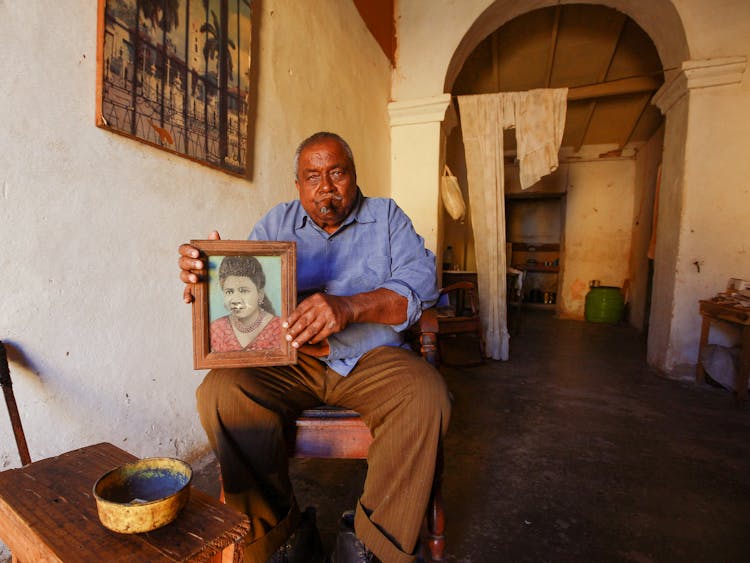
x=464 y=285
x=428 y=322
x=428 y=332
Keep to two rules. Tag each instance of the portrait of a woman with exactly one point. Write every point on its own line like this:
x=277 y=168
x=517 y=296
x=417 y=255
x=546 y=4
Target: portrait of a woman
x=251 y=323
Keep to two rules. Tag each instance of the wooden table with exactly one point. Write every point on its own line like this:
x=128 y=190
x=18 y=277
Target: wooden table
x=721 y=311
x=48 y=513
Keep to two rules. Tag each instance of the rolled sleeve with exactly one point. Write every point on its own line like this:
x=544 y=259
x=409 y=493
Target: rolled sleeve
x=413 y=268
x=415 y=304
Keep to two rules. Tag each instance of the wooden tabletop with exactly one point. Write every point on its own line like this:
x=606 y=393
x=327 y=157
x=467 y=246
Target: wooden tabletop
x=48 y=513
x=725 y=310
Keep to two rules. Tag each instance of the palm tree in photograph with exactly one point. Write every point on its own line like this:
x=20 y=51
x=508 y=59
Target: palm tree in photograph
x=163 y=13
x=216 y=46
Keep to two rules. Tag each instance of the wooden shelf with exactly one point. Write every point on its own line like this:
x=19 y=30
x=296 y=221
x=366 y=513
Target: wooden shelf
x=537 y=268
x=535 y=247
x=544 y=306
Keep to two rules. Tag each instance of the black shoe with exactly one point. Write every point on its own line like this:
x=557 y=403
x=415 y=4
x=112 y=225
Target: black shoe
x=349 y=548
x=304 y=545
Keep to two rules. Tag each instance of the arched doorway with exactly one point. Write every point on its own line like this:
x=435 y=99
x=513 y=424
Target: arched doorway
x=611 y=150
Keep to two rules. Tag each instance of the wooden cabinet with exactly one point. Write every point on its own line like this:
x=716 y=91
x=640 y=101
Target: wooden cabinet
x=541 y=263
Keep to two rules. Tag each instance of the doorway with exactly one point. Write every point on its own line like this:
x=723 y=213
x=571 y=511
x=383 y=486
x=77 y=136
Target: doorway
x=604 y=186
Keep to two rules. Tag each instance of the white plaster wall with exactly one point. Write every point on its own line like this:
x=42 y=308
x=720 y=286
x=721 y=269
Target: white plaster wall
x=414 y=182
x=598 y=217
x=90 y=308
x=714 y=230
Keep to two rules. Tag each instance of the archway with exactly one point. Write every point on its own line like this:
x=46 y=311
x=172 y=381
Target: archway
x=673 y=50
x=654 y=17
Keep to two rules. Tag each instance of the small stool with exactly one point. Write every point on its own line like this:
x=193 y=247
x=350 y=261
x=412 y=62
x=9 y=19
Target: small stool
x=48 y=513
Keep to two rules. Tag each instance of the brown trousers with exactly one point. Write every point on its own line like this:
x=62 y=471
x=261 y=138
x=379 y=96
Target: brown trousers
x=402 y=399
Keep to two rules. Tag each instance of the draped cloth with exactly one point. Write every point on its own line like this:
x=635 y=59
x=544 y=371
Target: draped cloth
x=539 y=119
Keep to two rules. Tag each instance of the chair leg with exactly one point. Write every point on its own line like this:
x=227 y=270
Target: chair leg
x=433 y=537
x=433 y=541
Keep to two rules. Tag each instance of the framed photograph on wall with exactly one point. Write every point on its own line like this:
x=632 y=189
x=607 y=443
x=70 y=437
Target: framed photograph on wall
x=238 y=310
x=176 y=74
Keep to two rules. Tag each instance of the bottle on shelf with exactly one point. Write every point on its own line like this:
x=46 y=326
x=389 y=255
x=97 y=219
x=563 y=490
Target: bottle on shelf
x=448 y=258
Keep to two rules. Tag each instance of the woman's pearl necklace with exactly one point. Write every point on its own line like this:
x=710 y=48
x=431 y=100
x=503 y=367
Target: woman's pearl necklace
x=237 y=324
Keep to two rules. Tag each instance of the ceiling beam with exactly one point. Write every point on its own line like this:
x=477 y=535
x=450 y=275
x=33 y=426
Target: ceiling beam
x=495 y=61
x=586 y=124
x=613 y=49
x=553 y=45
x=622 y=86
x=602 y=77
x=645 y=98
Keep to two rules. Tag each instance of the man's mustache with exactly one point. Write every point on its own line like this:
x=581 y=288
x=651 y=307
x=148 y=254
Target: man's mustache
x=326 y=207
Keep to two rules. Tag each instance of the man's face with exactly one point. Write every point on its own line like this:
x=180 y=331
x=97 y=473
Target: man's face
x=326 y=183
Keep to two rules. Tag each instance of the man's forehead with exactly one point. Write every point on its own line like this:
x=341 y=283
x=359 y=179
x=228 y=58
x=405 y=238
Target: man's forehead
x=330 y=154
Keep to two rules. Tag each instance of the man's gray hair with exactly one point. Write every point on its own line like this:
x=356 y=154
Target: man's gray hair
x=320 y=136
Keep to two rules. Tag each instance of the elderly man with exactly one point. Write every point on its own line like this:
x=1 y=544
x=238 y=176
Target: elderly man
x=363 y=276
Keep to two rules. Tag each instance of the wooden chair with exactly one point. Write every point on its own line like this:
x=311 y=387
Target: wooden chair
x=459 y=315
x=337 y=433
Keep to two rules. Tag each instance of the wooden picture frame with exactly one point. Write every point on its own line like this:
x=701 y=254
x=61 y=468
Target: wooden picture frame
x=175 y=74
x=247 y=282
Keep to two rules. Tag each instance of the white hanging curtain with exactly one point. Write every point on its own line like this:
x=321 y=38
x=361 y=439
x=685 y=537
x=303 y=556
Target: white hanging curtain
x=539 y=119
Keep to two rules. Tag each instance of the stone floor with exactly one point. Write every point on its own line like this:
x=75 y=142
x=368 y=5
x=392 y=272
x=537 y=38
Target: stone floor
x=575 y=451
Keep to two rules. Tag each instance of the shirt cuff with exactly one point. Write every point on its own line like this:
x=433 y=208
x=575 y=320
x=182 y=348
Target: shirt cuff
x=414 y=305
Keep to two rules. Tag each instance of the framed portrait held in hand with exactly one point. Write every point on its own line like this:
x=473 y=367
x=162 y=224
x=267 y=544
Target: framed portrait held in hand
x=238 y=309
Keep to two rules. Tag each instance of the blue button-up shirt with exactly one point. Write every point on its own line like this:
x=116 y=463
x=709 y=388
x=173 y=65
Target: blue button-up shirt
x=376 y=246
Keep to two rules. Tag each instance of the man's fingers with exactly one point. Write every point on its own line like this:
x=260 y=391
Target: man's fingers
x=315 y=319
x=187 y=294
x=310 y=335
x=191 y=269
x=190 y=276
x=308 y=329
x=189 y=251
x=214 y=236
x=190 y=264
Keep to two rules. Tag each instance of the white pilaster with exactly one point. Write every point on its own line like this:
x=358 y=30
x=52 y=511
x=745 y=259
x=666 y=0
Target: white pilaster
x=720 y=71
x=415 y=161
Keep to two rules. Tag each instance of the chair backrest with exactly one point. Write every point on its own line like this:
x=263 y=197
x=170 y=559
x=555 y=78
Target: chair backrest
x=462 y=298
x=460 y=317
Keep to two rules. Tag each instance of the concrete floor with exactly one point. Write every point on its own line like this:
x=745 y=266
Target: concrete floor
x=575 y=451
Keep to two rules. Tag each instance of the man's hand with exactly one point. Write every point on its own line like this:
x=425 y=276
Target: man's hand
x=192 y=268
x=316 y=318
x=321 y=315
